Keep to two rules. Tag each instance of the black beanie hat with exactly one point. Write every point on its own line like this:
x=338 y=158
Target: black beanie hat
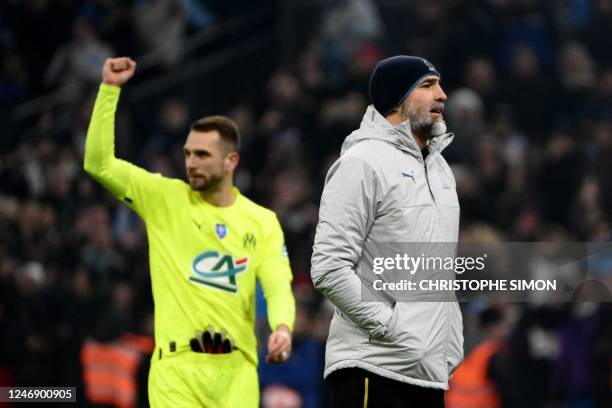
x=394 y=78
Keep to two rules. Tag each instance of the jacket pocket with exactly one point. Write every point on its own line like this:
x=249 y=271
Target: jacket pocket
x=401 y=340
x=392 y=322
x=414 y=343
x=454 y=353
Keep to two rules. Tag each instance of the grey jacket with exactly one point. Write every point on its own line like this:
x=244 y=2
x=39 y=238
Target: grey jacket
x=380 y=190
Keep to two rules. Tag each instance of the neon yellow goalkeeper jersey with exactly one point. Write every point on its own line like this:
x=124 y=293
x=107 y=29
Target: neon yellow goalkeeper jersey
x=204 y=260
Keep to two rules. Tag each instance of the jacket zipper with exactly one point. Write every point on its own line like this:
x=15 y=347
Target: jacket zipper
x=447 y=303
x=429 y=185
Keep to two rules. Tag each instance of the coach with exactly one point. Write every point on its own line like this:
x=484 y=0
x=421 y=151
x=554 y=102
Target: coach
x=391 y=184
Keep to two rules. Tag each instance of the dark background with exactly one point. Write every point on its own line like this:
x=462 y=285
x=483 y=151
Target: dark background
x=530 y=100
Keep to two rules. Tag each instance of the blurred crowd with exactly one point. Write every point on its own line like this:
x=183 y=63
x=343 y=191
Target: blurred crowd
x=529 y=87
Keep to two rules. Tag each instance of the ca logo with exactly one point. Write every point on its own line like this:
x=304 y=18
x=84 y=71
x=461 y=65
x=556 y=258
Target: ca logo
x=217 y=270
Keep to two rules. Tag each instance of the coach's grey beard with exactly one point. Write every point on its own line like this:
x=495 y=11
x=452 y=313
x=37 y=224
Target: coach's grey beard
x=422 y=123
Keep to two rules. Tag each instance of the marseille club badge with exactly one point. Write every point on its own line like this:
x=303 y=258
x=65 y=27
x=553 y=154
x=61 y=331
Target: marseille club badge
x=221 y=230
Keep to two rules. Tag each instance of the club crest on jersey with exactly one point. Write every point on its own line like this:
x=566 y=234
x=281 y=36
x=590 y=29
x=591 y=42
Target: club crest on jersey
x=217 y=270
x=221 y=230
x=249 y=241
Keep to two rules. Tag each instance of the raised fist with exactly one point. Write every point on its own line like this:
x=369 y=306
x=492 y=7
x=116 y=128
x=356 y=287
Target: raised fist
x=117 y=71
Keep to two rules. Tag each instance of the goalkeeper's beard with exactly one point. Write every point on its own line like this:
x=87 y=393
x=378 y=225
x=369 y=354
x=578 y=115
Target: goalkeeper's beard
x=206 y=184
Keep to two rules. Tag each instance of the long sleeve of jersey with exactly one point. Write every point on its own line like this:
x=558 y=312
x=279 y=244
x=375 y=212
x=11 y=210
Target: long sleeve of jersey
x=116 y=175
x=275 y=277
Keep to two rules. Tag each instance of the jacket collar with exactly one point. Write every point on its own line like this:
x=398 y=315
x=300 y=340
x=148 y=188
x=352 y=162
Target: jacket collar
x=375 y=126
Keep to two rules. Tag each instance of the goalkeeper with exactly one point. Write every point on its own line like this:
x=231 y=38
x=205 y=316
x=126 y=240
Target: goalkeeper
x=208 y=245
